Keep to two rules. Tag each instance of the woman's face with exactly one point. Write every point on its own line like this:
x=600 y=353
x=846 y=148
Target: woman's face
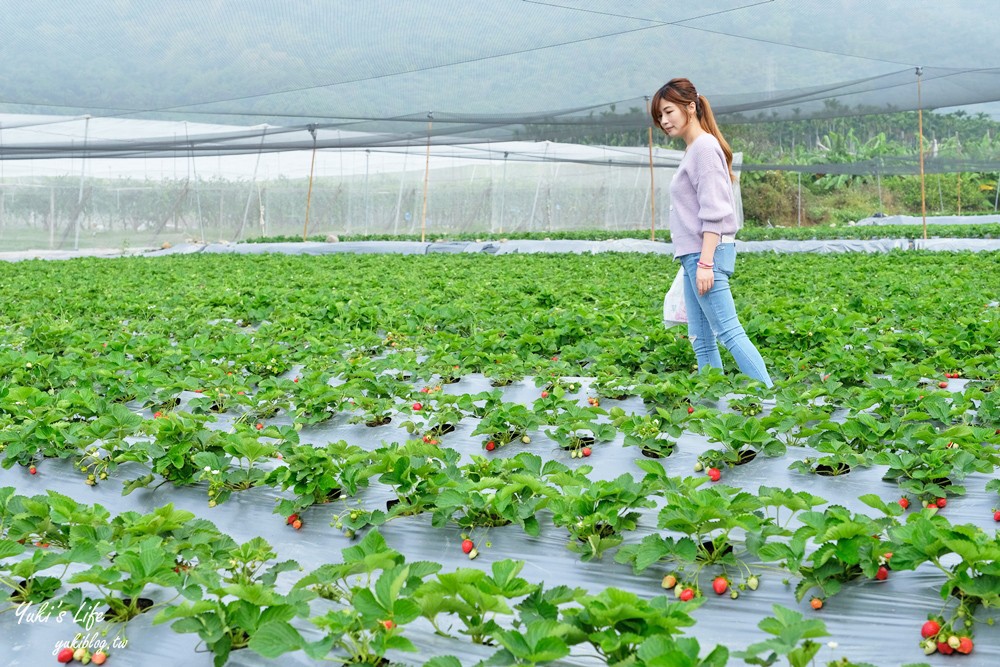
x=675 y=118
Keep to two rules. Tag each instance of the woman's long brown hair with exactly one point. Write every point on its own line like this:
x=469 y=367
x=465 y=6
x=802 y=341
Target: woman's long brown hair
x=682 y=92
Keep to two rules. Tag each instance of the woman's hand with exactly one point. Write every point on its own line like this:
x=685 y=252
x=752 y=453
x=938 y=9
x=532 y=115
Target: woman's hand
x=704 y=278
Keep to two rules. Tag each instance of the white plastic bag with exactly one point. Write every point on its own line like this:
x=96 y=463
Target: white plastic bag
x=674 y=310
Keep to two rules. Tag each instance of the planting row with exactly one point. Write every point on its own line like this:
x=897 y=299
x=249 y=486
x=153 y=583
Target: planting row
x=170 y=562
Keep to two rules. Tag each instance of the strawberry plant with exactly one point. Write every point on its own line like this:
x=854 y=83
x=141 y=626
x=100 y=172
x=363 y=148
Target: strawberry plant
x=507 y=368
x=748 y=406
x=176 y=439
x=485 y=501
x=577 y=427
x=793 y=639
x=237 y=468
x=965 y=554
x=846 y=547
x=542 y=641
x=442 y=418
x=416 y=472
x=41 y=431
x=597 y=513
x=319 y=475
x=794 y=410
x=647 y=431
x=743 y=437
x=475 y=598
x=933 y=472
x=50 y=519
x=378 y=589
x=616 y=623
x=612 y=381
x=145 y=563
x=838 y=459
x=506 y=423
x=707 y=518
x=226 y=624
x=23 y=577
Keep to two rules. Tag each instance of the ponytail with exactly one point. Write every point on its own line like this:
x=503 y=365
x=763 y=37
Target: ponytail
x=707 y=120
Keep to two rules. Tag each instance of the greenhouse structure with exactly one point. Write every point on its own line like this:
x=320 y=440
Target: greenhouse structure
x=336 y=332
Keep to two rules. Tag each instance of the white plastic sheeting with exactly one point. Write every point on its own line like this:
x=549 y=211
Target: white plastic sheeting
x=870 y=621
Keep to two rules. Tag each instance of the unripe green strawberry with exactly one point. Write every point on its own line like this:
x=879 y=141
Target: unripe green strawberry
x=753 y=582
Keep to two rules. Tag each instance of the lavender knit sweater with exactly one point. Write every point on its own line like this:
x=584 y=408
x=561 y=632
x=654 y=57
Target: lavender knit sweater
x=701 y=196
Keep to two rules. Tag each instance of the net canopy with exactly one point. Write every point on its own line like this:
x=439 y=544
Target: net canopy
x=511 y=69
x=255 y=117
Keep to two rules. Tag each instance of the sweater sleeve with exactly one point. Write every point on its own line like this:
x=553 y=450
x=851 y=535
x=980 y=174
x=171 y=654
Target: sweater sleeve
x=712 y=184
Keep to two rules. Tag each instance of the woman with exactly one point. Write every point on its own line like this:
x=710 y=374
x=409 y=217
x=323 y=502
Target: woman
x=703 y=224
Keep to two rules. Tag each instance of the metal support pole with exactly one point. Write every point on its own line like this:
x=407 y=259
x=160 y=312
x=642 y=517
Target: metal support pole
x=367 y=216
x=312 y=167
x=652 y=183
x=427 y=169
x=920 y=133
x=800 y=199
x=83 y=171
x=503 y=190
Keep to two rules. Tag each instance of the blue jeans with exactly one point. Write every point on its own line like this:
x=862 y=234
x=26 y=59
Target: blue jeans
x=712 y=317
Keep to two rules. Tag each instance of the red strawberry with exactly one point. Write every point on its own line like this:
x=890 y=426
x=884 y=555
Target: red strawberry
x=555 y=358
x=690 y=409
x=714 y=474
x=297 y=524
x=417 y=406
x=686 y=595
x=904 y=502
x=944 y=648
x=545 y=394
x=942 y=384
x=585 y=451
x=388 y=625
x=33 y=470
x=882 y=574
x=65 y=655
x=490 y=446
x=260 y=426
x=816 y=603
x=467 y=546
x=720 y=585
x=941 y=502
x=996 y=515
x=99 y=658
x=965 y=645
x=292 y=518
x=930 y=629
